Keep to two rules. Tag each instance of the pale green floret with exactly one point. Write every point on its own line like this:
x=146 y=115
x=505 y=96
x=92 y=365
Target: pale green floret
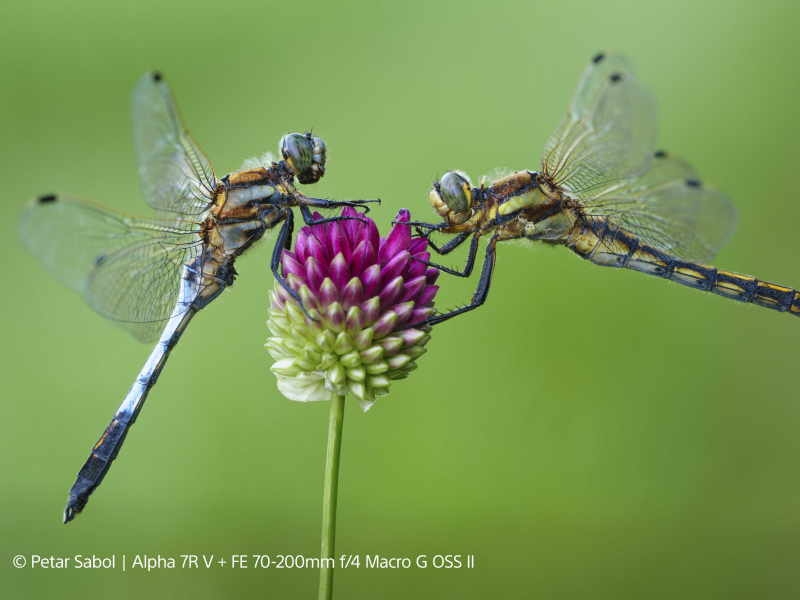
x=338 y=354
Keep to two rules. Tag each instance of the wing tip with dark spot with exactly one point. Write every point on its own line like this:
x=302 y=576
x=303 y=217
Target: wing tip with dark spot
x=598 y=57
x=47 y=198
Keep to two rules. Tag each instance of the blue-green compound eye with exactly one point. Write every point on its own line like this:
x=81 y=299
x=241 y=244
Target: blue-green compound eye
x=297 y=151
x=455 y=191
x=320 y=155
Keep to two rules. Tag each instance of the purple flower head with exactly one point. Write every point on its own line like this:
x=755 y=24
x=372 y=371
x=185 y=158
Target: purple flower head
x=365 y=294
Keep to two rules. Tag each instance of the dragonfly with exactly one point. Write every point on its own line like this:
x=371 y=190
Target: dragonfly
x=151 y=276
x=605 y=193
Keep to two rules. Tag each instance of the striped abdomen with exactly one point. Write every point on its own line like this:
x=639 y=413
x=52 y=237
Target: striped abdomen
x=606 y=244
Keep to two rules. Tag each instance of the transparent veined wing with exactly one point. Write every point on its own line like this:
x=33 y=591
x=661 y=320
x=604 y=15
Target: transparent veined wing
x=126 y=268
x=174 y=173
x=671 y=209
x=608 y=133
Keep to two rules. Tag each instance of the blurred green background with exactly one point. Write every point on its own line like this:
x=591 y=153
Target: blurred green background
x=589 y=433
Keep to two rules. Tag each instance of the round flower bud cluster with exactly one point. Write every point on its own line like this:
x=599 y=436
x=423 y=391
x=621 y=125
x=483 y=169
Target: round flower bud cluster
x=364 y=293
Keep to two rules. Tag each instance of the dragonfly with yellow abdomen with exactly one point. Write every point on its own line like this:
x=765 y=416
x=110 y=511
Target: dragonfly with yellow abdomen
x=607 y=195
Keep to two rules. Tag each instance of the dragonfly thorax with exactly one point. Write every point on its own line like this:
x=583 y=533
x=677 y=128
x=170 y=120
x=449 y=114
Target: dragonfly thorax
x=547 y=186
x=244 y=195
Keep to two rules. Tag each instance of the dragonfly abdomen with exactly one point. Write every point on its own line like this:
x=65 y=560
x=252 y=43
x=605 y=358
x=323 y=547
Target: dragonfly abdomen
x=606 y=244
x=107 y=447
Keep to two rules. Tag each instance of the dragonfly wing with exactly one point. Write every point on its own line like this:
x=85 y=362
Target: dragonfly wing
x=126 y=268
x=608 y=133
x=174 y=173
x=669 y=208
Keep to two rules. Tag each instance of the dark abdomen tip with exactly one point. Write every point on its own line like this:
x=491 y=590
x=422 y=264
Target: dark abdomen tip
x=74 y=506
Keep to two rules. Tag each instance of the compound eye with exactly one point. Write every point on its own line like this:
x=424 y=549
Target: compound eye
x=297 y=151
x=320 y=152
x=456 y=191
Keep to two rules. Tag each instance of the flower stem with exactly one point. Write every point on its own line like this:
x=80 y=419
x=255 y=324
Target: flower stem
x=329 y=497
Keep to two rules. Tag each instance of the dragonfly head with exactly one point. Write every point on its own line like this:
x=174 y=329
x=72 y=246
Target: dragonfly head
x=305 y=155
x=452 y=197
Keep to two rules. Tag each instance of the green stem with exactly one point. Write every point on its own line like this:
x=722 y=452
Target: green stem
x=329 y=497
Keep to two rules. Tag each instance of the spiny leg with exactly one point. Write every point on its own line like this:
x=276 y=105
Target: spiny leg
x=430 y=226
x=284 y=241
x=309 y=219
x=473 y=252
x=448 y=247
x=289 y=226
x=322 y=203
x=481 y=292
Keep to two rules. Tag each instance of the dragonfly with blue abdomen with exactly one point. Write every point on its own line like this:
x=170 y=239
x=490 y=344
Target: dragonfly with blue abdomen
x=153 y=275
x=604 y=193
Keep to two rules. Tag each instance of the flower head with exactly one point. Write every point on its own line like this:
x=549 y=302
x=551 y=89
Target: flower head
x=360 y=289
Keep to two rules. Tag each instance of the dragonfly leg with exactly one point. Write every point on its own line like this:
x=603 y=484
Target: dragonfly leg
x=446 y=248
x=473 y=252
x=309 y=219
x=481 y=293
x=283 y=242
x=430 y=226
x=322 y=203
x=289 y=225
